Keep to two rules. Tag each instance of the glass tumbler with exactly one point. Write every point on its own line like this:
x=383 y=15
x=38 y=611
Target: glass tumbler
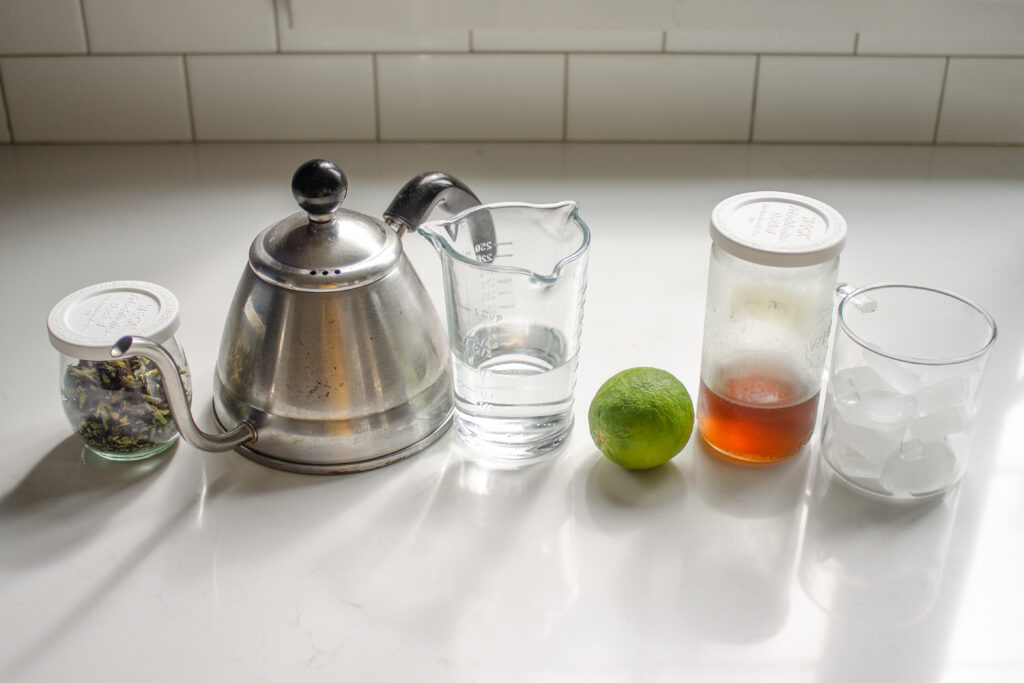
x=903 y=389
x=771 y=282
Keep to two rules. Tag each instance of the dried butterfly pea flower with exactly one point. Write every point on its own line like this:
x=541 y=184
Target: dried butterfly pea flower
x=118 y=405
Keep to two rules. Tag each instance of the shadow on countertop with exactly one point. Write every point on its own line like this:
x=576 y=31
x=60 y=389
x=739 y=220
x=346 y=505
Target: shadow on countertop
x=69 y=491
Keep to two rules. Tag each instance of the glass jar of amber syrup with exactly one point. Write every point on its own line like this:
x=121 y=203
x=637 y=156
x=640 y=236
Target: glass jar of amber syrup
x=771 y=288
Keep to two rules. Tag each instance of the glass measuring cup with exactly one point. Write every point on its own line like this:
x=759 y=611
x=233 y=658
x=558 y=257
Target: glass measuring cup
x=514 y=276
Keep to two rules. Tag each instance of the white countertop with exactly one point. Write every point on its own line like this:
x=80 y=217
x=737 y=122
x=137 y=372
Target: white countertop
x=202 y=567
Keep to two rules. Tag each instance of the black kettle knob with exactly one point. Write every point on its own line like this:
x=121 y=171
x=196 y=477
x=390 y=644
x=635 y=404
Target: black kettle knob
x=319 y=187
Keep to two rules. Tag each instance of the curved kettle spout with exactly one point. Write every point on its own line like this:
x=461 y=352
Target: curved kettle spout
x=174 y=390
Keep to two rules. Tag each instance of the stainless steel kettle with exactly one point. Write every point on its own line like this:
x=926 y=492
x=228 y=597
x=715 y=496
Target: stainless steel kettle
x=333 y=358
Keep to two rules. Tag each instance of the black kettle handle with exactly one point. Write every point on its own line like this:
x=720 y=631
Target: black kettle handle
x=420 y=196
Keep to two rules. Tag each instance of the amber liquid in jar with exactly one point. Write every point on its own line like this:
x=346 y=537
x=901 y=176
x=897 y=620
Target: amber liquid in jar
x=761 y=415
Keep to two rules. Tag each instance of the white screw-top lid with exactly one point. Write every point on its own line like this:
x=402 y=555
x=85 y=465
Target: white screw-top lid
x=86 y=324
x=778 y=229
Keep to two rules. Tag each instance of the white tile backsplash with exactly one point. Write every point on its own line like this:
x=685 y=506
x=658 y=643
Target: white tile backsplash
x=302 y=37
x=180 y=25
x=282 y=97
x=660 y=97
x=847 y=99
x=471 y=97
x=983 y=102
x=328 y=40
x=953 y=43
x=763 y=41
x=93 y=99
x=550 y=40
x=853 y=73
x=947 y=28
x=41 y=27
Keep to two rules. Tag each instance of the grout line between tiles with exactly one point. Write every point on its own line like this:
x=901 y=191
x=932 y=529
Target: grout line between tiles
x=376 y=99
x=364 y=141
x=670 y=141
x=856 y=42
x=931 y=55
x=471 y=48
x=7 y=110
x=188 y=99
x=942 y=98
x=85 y=27
x=565 y=100
x=753 y=98
x=412 y=53
x=664 y=41
x=277 y=25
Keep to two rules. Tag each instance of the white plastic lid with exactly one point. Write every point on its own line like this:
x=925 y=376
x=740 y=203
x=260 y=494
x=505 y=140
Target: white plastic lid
x=778 y=229
x=86 y=324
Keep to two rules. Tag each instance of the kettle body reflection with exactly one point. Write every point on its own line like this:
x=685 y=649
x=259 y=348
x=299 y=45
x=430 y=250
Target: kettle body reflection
x=333 y=358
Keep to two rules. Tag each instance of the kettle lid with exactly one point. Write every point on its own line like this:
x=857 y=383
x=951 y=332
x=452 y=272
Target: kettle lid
x=324 y=247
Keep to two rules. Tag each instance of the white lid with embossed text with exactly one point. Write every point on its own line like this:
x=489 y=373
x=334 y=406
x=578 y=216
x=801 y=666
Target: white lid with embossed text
x=778 y=229
x=86 y=324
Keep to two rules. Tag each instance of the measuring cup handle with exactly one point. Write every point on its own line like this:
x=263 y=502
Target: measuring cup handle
x=844 y=289
x=862 y=302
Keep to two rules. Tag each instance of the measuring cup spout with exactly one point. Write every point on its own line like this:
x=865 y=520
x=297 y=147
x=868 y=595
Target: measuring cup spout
x=535 y=242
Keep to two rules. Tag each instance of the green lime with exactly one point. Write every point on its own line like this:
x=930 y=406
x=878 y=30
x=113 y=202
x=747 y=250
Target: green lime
x=641 y=417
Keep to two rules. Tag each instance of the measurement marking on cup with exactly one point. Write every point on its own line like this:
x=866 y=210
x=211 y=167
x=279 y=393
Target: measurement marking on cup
x=481 y=312
x=498 y=246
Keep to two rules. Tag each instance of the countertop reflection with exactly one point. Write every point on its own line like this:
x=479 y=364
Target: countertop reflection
x=450 y=566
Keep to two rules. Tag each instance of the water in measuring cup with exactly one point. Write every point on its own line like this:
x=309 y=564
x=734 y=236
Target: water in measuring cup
x=513 y=388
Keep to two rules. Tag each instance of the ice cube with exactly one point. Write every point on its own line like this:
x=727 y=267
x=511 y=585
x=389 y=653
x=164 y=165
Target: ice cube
x=919 y=468
x=849 y=383
x=874 y=443
x=870 y=414
x=935 y=426
x=945 y=393
x=850 y=463
x=885 y=411
x=959 y=443
x=900 y=376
